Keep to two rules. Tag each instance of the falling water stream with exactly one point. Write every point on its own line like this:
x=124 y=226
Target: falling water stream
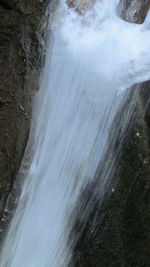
x=92 y=60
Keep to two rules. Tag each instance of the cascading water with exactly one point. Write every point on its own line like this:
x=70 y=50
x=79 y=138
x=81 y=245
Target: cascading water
x=91 y=61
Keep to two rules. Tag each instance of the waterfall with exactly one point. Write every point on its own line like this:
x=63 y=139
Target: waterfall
x=92 y=59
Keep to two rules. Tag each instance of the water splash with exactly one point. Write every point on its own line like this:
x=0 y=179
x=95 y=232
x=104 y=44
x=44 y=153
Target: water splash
x=116 y=49
x=91 y=61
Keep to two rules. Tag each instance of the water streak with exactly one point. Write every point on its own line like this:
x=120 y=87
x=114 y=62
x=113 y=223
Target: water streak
x=91 y=61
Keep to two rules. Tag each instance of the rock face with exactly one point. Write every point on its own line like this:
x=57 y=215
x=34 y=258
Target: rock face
x=134 y=10
x=117 y=233
x=22 y=47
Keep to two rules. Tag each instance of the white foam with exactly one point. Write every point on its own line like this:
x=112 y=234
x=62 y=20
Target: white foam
x=89 y=60
x=117 y=50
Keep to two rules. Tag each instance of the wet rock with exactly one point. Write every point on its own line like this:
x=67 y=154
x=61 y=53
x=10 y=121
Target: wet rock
x=22 y=49
x=80 y=5
x=134 y=10
x=117 y=232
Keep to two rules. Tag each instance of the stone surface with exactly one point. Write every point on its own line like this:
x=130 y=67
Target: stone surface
x=22 y=49
x=134 y=10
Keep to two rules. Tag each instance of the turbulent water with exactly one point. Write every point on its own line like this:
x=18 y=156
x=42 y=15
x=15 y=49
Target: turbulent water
x=92 y=60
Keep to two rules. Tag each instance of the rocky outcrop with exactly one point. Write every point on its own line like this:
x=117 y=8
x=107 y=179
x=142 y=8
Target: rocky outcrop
x=22 y=48
x=134 y=11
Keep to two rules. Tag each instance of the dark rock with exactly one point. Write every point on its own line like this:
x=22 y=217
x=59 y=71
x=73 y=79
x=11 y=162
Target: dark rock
x=116 y=232
x=22 y=49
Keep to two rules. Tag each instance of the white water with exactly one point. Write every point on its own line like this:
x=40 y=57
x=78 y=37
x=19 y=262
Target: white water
x=91 y=61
